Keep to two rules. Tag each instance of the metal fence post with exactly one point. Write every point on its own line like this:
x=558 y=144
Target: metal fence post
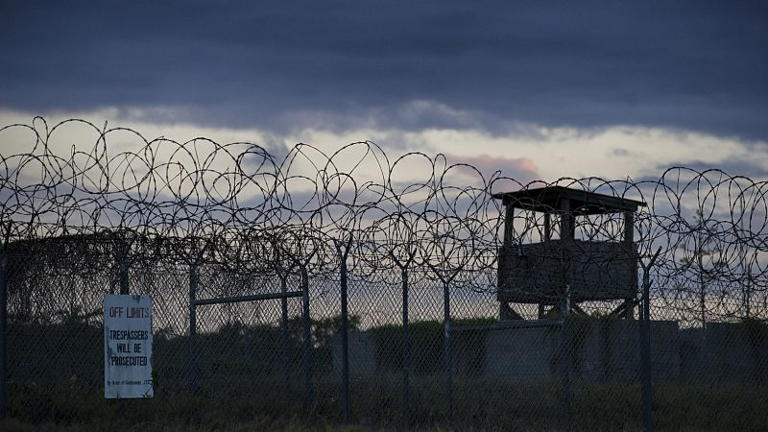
x=309 y=394
x=344 y=341
x=645 y=343
x=120 y=251
x=406 y=345
x=448 y=354
x=3 y=333
x=284 y=333
x=645 y=355
x=123 y=269
x=192 y=360
x=566 y=362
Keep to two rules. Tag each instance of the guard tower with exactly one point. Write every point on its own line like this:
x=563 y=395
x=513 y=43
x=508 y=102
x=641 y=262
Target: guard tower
x=561 y=267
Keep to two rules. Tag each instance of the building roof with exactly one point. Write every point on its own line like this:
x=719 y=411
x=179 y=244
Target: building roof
x=551 y=199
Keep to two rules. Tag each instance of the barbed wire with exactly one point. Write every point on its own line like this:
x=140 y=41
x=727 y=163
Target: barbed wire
x=247 y=209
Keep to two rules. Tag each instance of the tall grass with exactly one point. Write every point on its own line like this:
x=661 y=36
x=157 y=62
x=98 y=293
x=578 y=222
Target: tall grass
x=56 y=382
x=377 y=403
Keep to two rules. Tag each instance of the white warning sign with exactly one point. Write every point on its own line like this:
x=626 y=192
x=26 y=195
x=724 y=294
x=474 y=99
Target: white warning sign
x=127 y=346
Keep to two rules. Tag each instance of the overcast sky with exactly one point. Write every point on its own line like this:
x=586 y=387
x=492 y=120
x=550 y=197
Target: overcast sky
x=538 y=89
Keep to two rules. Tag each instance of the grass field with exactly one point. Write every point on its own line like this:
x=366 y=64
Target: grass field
x=241 y=391
x=377 y=405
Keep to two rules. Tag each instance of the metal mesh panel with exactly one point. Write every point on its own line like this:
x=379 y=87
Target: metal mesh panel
x=467 y=309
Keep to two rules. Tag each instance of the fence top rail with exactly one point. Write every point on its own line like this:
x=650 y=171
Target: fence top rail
x=248 y=298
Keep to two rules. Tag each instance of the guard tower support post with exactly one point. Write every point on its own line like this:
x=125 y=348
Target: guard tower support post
x=629 y=237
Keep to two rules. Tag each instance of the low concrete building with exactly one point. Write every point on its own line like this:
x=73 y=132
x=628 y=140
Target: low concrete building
x=725 y=352
x=520 y=354
x=599 y=350
x=362 y=353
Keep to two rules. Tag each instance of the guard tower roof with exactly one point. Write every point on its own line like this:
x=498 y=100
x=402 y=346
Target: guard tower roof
x=553 y=199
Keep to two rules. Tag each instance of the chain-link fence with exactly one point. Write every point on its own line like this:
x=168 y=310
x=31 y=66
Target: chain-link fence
x=404 y=294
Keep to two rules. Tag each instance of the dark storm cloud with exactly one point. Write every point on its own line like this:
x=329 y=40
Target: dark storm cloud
x=690 y=65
